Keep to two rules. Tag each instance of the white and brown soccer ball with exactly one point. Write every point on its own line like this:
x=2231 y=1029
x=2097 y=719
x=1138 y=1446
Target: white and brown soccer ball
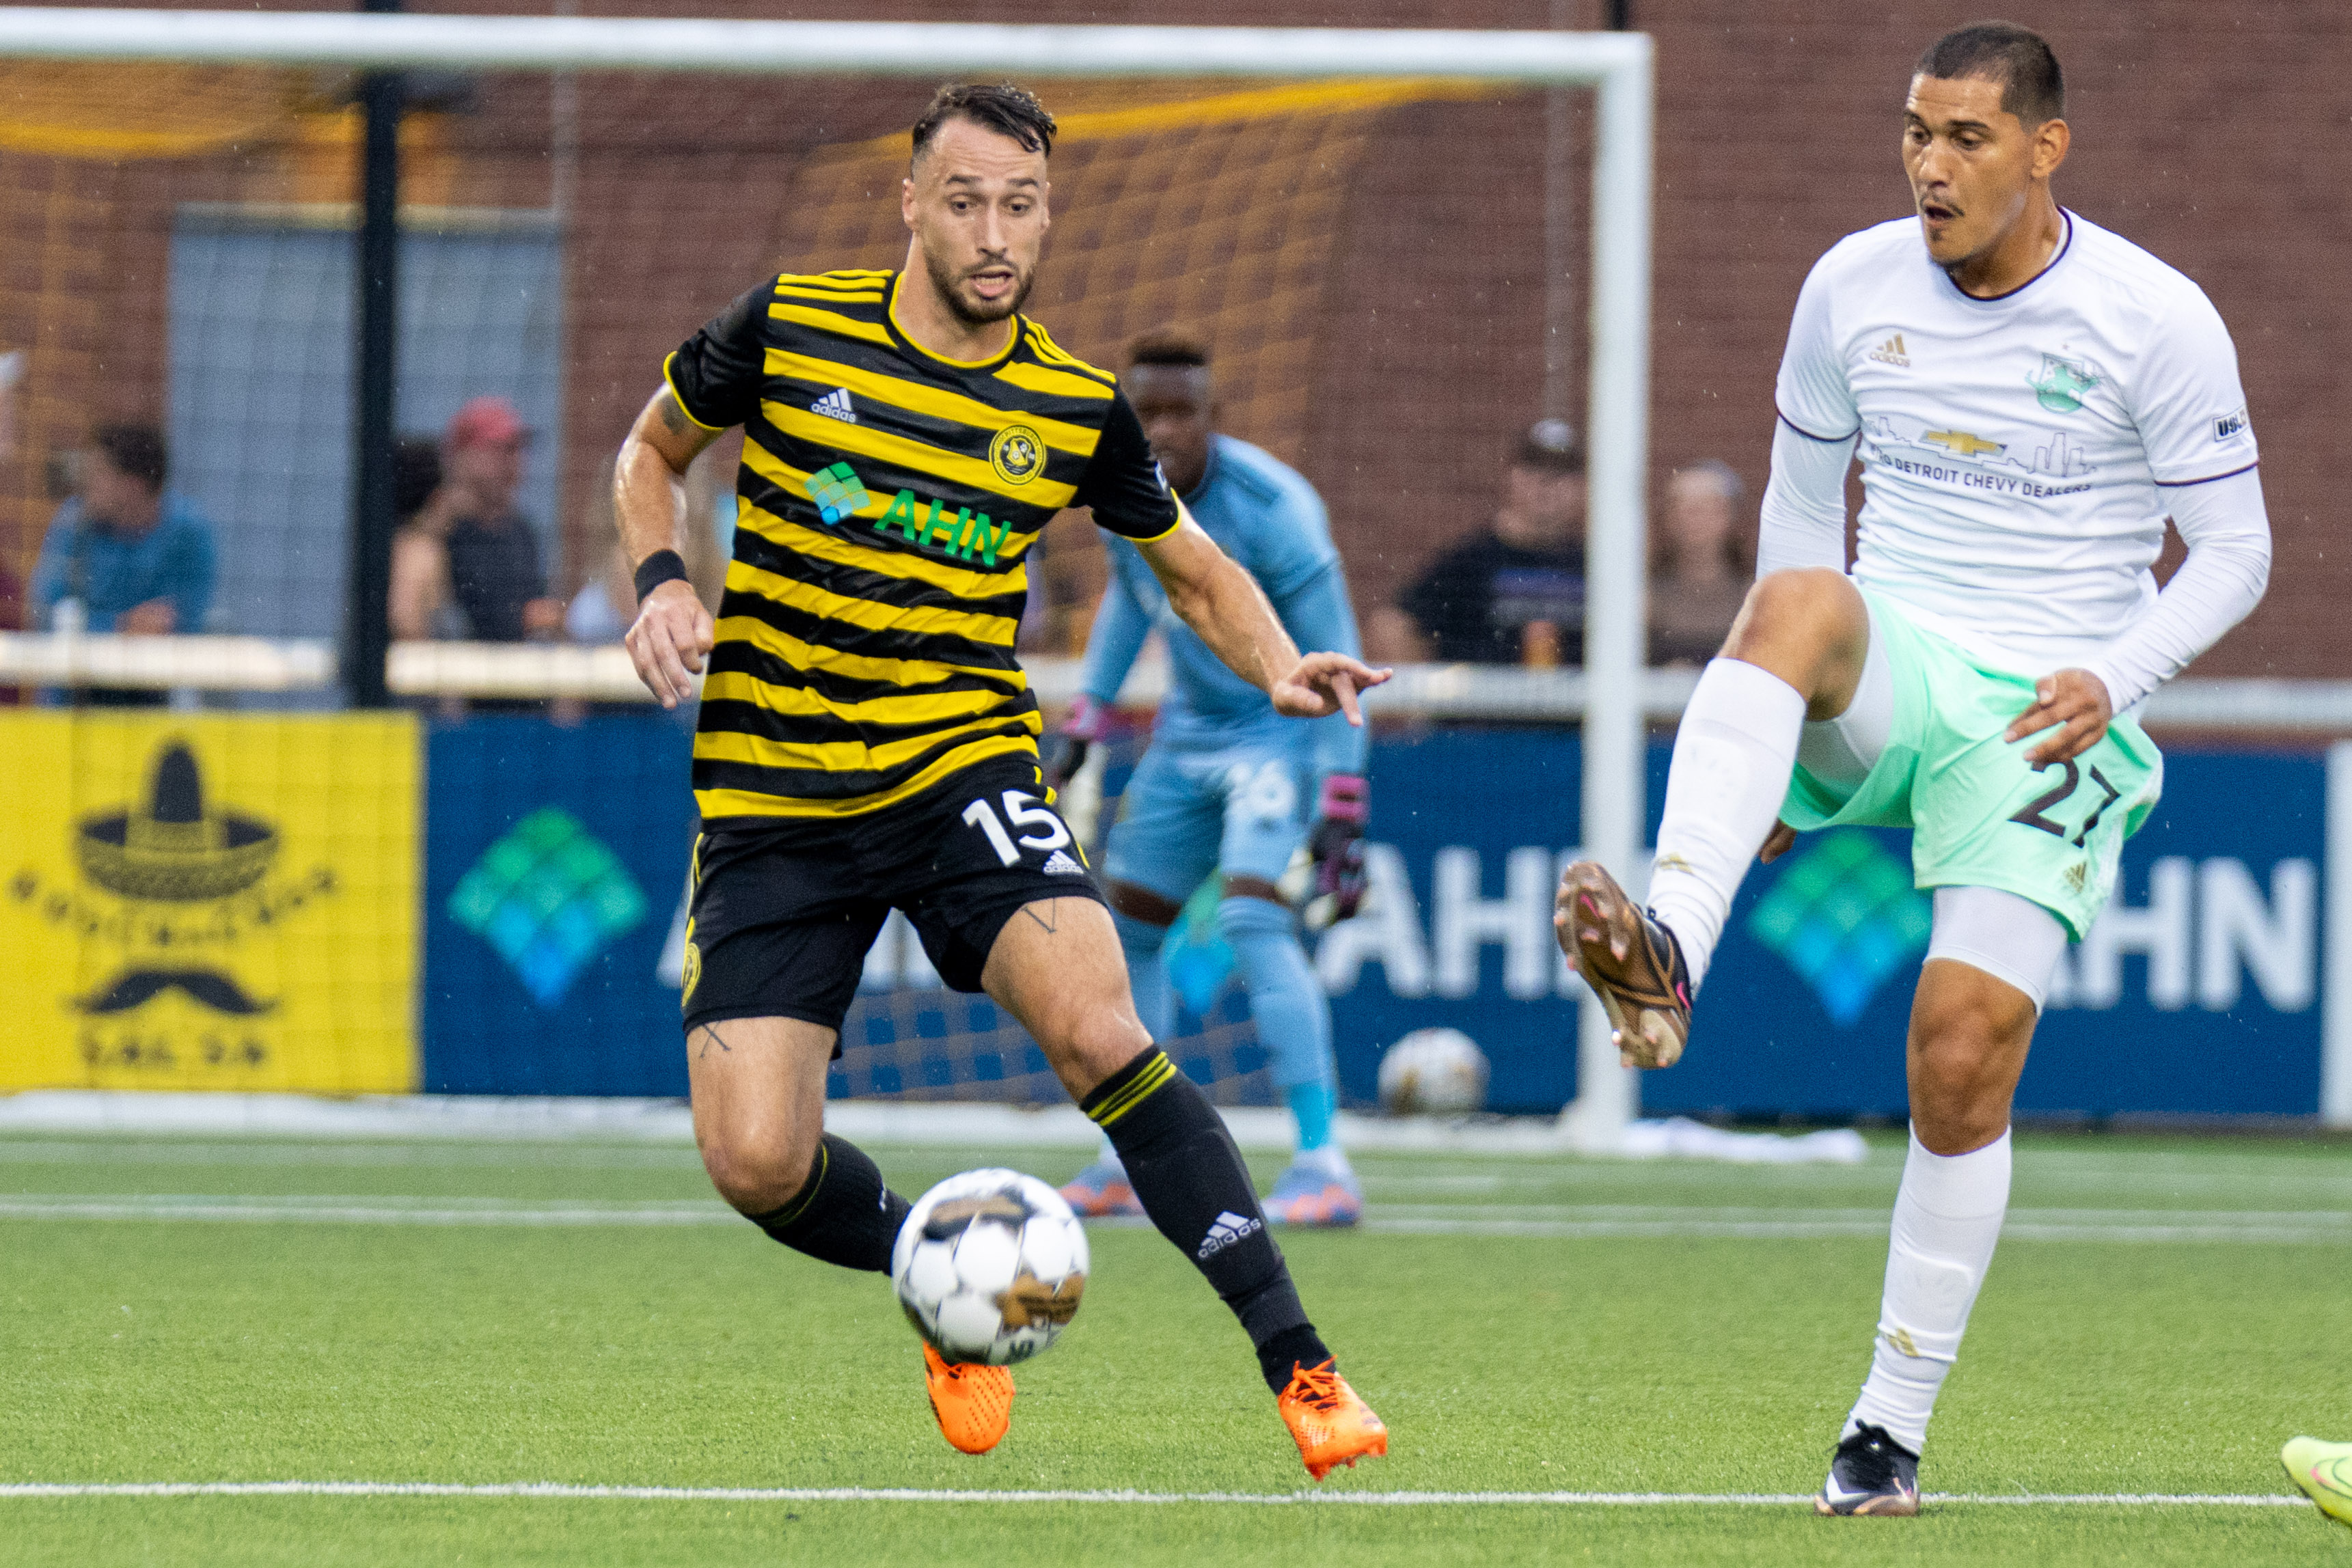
x=990 y=1266
x=1433 y=1072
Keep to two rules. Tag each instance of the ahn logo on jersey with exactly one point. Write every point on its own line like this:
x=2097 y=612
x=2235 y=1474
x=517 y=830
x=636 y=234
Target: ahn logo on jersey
x=2229 y=425
x=2061 y=383
x=1893 y=352
x=837 y=492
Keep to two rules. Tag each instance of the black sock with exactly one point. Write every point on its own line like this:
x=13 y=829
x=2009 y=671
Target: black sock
x=1190 y=1178
x=845 y=1215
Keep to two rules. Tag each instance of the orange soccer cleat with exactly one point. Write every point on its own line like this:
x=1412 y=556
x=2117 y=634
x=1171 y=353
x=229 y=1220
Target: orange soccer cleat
x=972 y=1400
x=1332 y=1425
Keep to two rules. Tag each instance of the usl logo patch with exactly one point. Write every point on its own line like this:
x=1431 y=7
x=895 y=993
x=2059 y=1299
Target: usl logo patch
x=2229 y=424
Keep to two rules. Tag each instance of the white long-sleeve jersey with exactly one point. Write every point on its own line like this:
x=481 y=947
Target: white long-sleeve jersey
x=2020 y=455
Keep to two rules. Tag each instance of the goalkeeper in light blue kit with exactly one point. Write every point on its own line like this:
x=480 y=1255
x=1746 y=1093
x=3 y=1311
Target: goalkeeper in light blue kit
x=1228 y=785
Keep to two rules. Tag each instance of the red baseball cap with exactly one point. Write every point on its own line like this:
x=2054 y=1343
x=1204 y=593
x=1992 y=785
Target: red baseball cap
x=484 y=422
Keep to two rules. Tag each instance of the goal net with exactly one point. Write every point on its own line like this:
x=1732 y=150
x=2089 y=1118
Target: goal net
x=1388 y=242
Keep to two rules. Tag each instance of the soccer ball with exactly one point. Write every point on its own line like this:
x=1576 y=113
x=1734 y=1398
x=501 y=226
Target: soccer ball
x=1433 y=1072
x=990 y=1266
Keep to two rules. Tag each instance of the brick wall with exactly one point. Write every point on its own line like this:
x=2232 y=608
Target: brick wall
x=2213 y=136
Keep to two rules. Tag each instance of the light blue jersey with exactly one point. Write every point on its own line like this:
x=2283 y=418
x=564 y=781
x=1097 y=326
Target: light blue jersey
x=1264 y=515
x=1230 y=784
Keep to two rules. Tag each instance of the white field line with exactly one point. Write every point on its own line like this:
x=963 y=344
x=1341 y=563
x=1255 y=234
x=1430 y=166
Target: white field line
x=1618 y=1220
x=529 y=1489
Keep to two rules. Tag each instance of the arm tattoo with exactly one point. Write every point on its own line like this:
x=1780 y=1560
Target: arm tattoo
x=1053 y=908
x=710 y=1033
x=673 y=415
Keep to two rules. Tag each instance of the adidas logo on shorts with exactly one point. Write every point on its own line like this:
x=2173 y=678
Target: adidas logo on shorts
x=1229 y=1229
x=835 y=404
x=1059 y=864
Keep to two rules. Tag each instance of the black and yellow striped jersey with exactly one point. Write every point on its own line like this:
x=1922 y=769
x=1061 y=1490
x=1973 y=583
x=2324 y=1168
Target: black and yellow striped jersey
x=887 y=501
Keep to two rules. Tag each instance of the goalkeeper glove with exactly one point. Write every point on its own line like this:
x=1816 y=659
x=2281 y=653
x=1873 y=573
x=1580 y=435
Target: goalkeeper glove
x=1337 y=843
x=1078 y=733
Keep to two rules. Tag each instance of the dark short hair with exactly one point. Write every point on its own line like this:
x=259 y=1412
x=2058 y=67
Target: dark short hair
x=2032 y=87
x=415 y=473
x=1169 y=347
x=136 y=450
x=1004 y=107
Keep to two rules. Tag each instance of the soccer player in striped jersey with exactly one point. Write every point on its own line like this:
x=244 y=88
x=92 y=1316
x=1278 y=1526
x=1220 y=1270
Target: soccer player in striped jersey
x=867 y=741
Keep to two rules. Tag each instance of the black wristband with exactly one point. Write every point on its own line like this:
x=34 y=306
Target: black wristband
x=662 y=566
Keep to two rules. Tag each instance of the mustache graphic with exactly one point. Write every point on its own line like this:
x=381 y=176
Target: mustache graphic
x=208 y=987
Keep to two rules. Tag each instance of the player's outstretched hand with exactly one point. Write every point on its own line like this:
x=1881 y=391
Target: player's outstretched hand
x=671 y=638
x=1323 y=685
x=2074 y=700
x=1777 y=842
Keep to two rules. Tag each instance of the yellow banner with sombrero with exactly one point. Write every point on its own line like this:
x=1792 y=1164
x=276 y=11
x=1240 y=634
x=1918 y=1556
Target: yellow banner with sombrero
x=208 y=900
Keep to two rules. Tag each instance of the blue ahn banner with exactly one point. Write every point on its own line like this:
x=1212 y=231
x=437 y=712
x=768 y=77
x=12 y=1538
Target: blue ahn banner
x=554 y=856
x=2196 y=993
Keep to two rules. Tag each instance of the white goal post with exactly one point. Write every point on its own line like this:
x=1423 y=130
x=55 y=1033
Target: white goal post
x=1618 y=66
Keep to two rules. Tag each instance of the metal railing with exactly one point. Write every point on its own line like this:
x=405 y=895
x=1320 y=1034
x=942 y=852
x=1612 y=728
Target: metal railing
x=1495 y=693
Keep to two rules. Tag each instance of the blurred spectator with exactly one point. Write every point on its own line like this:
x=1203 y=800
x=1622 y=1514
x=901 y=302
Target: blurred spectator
x=132 y=556
x=1699 y=567
x=136 y=556
x=493 y=557
x=420 y=605
x=1514 y=588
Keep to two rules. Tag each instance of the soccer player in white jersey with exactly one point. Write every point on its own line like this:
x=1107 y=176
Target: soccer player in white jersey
x=2032 y=397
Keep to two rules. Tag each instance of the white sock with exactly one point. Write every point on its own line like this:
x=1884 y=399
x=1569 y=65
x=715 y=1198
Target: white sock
x=1730 y=773
x=1947 y=1218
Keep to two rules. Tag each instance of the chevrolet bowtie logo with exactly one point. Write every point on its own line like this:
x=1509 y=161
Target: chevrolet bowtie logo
x=1960 y=444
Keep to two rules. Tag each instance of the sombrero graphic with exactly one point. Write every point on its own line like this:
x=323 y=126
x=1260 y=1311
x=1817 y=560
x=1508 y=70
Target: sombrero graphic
x=171 y=847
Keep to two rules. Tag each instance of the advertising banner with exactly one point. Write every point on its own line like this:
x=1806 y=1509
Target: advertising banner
x=2196 y=993
x=555 y=855
x=208 y=900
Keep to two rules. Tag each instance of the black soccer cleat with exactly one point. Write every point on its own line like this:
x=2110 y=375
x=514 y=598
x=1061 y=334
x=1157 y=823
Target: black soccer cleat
x=1872 y=1474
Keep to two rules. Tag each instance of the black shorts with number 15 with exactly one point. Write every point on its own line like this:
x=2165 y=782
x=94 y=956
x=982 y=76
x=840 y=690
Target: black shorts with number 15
x=783 y=914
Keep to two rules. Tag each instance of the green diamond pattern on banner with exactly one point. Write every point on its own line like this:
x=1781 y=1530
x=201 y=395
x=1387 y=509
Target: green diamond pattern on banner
x=1845 y=917
x=548 y=896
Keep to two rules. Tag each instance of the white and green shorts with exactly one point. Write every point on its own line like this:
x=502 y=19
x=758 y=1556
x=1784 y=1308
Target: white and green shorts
x=1980 y=815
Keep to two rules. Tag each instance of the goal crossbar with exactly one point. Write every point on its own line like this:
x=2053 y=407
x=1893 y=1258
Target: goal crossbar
x=1618 y=66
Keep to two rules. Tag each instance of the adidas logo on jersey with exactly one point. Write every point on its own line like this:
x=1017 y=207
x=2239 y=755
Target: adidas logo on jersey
x=1893 y=352
x=1059 y=864
x=835 y=404
x=1229 y=1229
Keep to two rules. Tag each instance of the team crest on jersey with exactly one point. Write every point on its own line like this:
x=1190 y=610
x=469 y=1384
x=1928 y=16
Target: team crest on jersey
x=1018 y=453
x=2061 y=383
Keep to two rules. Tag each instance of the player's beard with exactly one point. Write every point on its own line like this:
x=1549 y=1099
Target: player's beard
x=949 y=283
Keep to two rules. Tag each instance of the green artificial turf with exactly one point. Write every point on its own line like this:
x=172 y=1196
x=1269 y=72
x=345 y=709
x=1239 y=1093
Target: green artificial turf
x=702 y=1356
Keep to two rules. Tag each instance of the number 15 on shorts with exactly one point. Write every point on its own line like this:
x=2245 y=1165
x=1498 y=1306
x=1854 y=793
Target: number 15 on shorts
x=1046 y=831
